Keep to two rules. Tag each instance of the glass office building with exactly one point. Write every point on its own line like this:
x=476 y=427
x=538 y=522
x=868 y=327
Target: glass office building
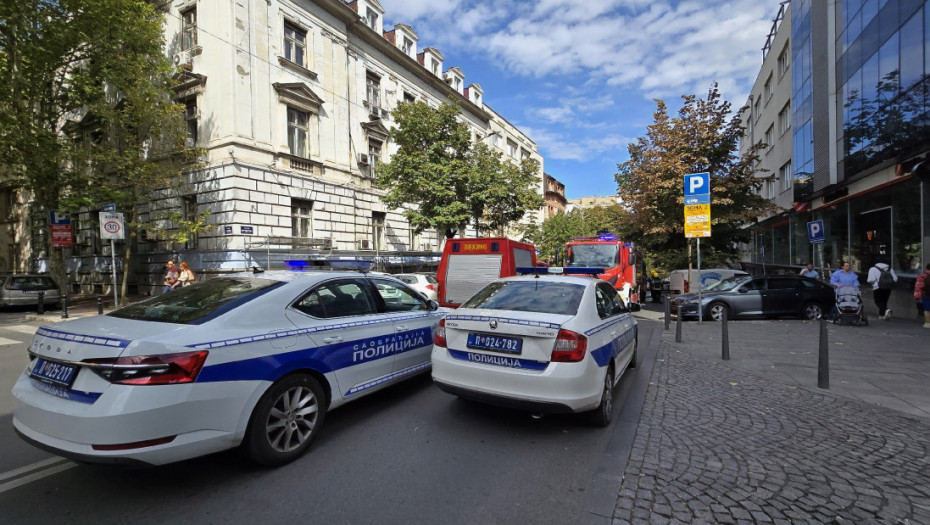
x=860 y=101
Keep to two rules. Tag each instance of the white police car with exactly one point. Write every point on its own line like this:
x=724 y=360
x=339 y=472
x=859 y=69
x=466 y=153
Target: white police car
x=545 y=344
x=255 y=360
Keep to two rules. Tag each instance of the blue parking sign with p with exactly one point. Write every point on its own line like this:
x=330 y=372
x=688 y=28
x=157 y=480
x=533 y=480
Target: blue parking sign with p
x=815 y=231
x=697 y=184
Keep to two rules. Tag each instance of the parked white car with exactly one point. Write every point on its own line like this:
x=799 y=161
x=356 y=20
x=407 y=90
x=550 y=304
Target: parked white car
x=249 y=360
x=543 y=344
x=421 y=282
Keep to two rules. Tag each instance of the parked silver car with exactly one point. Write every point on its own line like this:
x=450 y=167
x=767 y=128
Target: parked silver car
x=423 y=283
x=22 y=289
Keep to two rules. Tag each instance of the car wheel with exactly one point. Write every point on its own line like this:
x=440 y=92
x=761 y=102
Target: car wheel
x=285 y=421
x=718 y=310
x=812 y=311
x=635 y=352
x=602 y=415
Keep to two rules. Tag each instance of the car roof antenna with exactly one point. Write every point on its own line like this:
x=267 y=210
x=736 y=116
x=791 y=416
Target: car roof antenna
x=256 y=269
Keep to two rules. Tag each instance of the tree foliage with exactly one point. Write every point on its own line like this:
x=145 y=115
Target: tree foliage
x=701 y=138
x=86 y=109
x=550 y=237
x=447 y=181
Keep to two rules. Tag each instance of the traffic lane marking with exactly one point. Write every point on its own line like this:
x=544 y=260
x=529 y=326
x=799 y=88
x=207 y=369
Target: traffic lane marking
x=34 y=472
x=4 y=341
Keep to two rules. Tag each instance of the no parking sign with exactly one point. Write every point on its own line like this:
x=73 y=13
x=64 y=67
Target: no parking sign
x=111 y=225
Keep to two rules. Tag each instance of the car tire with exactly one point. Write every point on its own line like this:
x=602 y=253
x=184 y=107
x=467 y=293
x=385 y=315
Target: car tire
x=635 y=352
x=602 y=415
x=285 y=421
x=718 y=310
x=812 y=311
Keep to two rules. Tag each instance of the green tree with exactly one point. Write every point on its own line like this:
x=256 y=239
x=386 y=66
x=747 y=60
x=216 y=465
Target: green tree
x=86 y=111
x=501 y=191
x=445 y=181
x=701 y=138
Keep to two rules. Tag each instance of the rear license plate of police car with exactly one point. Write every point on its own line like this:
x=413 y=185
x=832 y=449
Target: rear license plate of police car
x=496 y=343
x=55 y=373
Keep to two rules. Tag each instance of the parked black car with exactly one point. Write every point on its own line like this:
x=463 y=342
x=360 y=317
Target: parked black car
x=760 y=296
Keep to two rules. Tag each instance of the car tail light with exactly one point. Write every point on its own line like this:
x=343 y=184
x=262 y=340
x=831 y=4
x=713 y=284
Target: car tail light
x=150 y=369
x=686 y=285
x=430 y=287
x=136 y=444
x=570 y=347
x=439 y=337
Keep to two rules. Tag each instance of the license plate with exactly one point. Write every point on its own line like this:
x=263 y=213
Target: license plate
x=497 y=343
x=55 y=373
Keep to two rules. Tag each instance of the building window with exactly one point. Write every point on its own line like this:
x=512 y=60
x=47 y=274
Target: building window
x=457 y=84
x=189 y=29
x=769 y=88
x=373 y=90
x=189 y=206
x=771 y=189
x=372 y=19
x=784 y=118
x=407 y=46
x=784 y=60
x=297 y=132
x=7 y=203
x=435 y=67
x=408 y=98
x=511 y=149
x=295 y=44
x=301 y=218
x=374 y=156
x=757 y=109
x=770 y=137
x=377 y=230
x=784 y=173
x=190 y=116
x=496 y=139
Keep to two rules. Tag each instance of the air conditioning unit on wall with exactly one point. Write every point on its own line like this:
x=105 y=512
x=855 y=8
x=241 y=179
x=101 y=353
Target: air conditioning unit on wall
x=182 y=58
x=364 y=244
x=363 y=158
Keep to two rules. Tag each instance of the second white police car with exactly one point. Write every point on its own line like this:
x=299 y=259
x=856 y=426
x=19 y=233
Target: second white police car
x=543 y=343
x=250 y=360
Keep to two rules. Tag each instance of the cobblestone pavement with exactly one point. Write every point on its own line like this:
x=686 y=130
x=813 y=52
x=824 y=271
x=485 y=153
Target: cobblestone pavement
x=719 y=444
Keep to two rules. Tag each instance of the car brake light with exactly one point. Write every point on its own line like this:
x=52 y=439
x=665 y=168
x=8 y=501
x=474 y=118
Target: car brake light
x=570 y=347
x=439 y=337
x=686 y=285
x=149 y=370
x=136 y=444
x=430 y=287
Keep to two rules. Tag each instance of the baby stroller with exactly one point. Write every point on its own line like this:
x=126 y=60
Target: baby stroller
x=849 y=307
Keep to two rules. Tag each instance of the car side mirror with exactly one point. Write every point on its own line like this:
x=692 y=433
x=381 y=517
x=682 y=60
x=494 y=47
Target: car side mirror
x=743 y=290
x=635 y=307
x=433 y=305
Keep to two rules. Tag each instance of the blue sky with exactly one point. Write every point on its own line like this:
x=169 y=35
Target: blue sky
x=579 y=76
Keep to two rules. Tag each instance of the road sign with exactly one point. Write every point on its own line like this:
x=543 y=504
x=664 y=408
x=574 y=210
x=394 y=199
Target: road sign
x=697 y=184
x=703 y=198
x=108 y=207
x=815 y=232
x=111 y=226
x=697 y=220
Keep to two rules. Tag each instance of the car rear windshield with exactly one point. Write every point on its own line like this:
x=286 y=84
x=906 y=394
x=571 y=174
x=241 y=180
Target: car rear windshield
x=529 y=296
x=32 y=283
x=199 y=302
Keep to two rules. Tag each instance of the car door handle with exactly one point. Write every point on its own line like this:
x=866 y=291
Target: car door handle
x=334 y=339
x=400 y=328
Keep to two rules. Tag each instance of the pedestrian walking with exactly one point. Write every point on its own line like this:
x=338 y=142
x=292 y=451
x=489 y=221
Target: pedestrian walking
x=171 y=276
x=882 y=279
x=922 y=294
x=844 y=277
x=810 y=272
x=186 y=277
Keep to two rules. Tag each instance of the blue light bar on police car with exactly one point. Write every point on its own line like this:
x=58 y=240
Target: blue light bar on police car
x=560 y=270
x=330 y=264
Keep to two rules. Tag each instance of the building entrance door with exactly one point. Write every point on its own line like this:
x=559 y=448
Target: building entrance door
x=874 y=231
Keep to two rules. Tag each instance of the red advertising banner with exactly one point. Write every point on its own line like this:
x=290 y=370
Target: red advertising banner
x=61 y=236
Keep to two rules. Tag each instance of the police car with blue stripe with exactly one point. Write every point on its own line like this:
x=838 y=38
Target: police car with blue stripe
x=244 y=360
x=545 y=343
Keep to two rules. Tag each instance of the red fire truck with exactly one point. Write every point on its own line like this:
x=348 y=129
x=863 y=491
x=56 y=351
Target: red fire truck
x=607 y=251
x=467 y=265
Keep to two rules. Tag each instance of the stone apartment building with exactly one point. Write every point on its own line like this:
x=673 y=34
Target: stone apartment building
x=293 y=103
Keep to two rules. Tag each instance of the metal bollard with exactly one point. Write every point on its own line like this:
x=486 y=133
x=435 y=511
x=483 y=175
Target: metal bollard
x=64 y=306
x=41 y=305
x=668 y=311
x=99 y=306
x=678 y=327
x=823 y=361
x=725 y=337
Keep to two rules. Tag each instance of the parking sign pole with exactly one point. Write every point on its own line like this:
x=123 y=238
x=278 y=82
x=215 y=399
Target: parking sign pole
x=700 y=288
x=113 y=255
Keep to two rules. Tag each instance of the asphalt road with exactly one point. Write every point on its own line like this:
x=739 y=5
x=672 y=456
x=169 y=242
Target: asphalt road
x=409 y=454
